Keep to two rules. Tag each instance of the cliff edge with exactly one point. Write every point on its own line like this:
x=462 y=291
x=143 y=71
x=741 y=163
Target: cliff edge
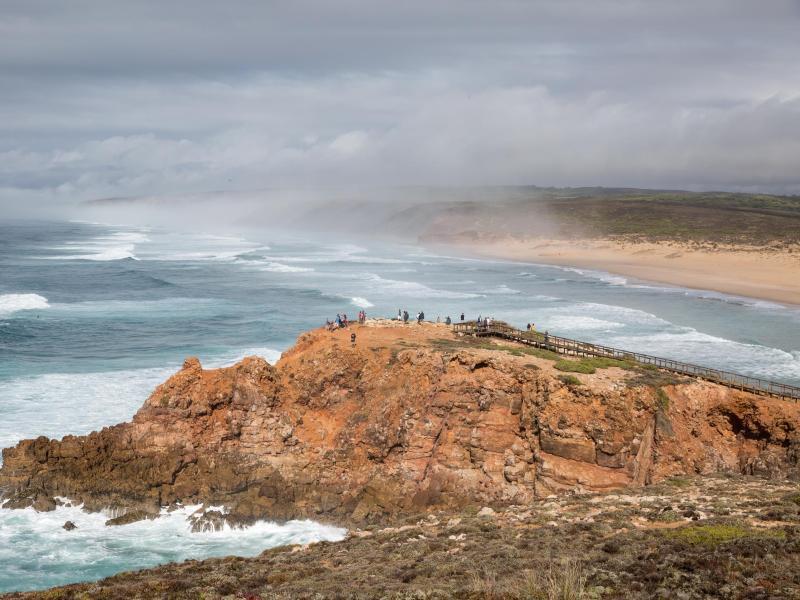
x=407 y=419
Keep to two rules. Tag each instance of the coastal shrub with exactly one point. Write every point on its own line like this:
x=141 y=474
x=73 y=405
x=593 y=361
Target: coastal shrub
x=663 y=399
x=564 y=580
x=714 y=534
x=794 y=498
x=570 y=379
x=589 y=365
x=678 y=481
x=574 y=366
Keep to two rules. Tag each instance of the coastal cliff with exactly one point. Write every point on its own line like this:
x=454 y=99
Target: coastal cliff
x=406 y=420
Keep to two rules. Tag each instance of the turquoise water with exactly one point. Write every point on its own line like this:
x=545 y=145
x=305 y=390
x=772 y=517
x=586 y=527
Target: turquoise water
x=92 y=317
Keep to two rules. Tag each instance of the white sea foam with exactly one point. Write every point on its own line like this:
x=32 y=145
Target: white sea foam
x=689 y=345
x=579 y=322
x=501 y=290
x=598 y=275
x=361 y=302
x=269 y=354
x=276 y=267
x=11 y=303
x=55 y=556
x=101 y=399
x=412 y=288
x=114 y=246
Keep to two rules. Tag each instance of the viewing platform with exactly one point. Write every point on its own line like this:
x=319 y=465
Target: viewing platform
x=571 y=347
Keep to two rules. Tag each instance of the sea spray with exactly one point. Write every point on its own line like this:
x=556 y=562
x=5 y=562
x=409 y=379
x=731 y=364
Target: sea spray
x=37 y=552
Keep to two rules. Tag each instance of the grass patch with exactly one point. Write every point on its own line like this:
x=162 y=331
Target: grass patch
x=663 y=399
x=589 y=365
x=714 y=534
x=679 y=482
x=480 y=344
x=570 y=379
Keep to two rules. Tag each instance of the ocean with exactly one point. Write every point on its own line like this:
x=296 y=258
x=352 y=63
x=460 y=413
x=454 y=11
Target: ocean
x=93 y=317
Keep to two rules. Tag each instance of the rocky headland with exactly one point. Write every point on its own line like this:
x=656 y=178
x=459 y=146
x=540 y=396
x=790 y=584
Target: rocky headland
x=410 y=422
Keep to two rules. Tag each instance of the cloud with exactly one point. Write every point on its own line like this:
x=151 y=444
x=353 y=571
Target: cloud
x=109 y=98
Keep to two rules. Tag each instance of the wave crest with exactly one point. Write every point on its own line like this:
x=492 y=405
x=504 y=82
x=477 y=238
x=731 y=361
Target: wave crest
x=11 y=303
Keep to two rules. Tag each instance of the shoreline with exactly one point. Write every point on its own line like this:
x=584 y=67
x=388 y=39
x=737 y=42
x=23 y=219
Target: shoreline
x=755 y=273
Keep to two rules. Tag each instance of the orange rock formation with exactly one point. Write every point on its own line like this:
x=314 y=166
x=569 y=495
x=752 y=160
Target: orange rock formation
x=409 y=417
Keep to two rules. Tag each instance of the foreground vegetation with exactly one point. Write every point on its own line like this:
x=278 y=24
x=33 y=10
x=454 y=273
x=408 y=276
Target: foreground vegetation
x=687 y=538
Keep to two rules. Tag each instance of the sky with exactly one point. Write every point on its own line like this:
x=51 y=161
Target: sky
x=103 y=98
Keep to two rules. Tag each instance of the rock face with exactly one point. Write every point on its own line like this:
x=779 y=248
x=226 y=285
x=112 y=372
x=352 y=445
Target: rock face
x=405 y=419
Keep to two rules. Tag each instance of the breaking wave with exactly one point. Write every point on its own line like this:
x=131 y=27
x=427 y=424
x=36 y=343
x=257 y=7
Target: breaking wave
x=11 y=303
x=94 y=550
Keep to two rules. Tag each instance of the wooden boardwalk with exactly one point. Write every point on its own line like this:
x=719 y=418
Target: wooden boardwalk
x=570 y=347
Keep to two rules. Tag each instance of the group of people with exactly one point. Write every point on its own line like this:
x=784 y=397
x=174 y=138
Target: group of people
x=341 y=321
x=485 y=321
x=402 y=315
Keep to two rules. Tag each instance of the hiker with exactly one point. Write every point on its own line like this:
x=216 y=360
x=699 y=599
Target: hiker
x=344 y=320
x=447 y=321
x=438 y=319
x=419 y=317
x=399 y=315
x=405 y=316
x=546 y=338
x=338 y=320
x=462 y=316
x=528 y=327
x=353 y=338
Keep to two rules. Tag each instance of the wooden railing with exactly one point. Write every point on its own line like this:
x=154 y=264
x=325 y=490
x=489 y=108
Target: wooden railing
x=571 y=347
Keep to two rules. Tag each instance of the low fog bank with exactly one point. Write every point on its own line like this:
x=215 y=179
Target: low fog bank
x=400 y=214
x=432 y=215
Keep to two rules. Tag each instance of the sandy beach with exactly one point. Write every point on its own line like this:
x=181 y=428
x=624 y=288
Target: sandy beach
x=767 y=274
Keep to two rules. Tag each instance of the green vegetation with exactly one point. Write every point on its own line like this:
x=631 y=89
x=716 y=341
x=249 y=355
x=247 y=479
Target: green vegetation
x=543 y=550
x=589 y=365
x=570 y=379
x=481 y=344
x=708 y=218
x=714 y=534
x=678 y=481
x=663 y=399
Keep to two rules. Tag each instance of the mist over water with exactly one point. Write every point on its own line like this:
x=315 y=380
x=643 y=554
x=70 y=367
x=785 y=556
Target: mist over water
x=92 y=317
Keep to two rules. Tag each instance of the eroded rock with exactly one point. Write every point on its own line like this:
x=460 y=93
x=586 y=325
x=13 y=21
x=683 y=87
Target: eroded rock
x=400 y=422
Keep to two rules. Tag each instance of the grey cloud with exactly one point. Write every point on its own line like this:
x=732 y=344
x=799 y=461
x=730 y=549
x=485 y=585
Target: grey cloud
x=101 y=98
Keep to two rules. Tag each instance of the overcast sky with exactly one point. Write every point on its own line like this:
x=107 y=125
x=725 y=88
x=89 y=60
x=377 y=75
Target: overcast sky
x=106 y=98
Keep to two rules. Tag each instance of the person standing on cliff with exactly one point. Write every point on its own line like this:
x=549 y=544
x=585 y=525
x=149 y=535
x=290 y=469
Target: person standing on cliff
x=462 y=316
